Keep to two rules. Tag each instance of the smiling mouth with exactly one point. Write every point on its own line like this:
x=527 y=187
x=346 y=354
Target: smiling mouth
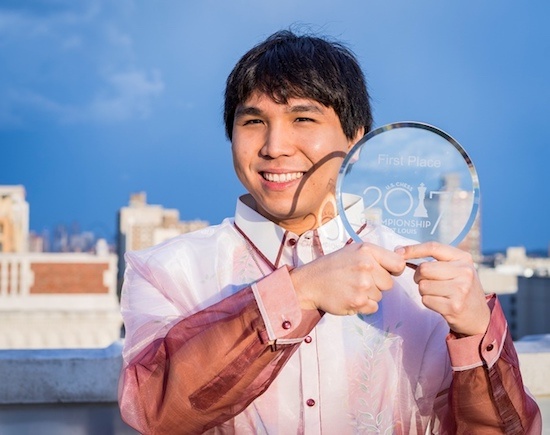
x=282 y=178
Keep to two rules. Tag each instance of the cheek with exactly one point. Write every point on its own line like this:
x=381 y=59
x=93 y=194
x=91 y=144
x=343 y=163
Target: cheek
x=326 y=144
x=242 y=147
x=241 y=157
x=241 y=164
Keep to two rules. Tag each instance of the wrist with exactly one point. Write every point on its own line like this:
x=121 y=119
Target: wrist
x=301 y=282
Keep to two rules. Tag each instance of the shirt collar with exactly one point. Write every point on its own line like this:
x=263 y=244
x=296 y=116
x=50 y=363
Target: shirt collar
x=268 y=236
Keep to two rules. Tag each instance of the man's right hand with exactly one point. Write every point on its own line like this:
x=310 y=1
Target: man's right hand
x=348 y=281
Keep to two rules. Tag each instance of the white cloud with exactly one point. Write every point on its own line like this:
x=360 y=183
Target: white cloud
x=46 y=19
x=22 y=102
x=65 y=46
x=125 y=96
x=117 y=38
x=129 y=95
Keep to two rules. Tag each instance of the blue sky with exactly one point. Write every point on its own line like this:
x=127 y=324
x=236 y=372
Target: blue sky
x=99 y=99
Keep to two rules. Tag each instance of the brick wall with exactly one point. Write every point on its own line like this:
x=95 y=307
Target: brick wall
x=69 y=278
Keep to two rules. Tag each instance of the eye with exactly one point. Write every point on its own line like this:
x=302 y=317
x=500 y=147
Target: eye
x=252 y=121
x=304 y=119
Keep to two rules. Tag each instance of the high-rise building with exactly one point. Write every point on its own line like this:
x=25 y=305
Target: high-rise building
x=522 y=283
x=142 y=225
x=472 y=241
x=455 y=206
x=14 y=219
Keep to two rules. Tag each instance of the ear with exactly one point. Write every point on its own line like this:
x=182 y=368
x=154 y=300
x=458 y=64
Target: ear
x=358 y=135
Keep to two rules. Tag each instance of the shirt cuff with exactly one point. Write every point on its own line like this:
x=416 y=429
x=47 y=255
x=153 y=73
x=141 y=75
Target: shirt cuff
x=482 y=349
x=279 y=306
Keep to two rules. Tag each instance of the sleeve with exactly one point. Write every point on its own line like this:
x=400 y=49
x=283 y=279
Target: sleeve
x=211 y=365
x=487 y=394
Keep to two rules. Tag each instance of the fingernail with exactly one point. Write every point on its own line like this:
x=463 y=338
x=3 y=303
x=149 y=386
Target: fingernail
x=399 y=250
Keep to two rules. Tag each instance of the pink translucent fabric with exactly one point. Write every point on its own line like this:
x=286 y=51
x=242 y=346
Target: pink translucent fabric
x=206 y=351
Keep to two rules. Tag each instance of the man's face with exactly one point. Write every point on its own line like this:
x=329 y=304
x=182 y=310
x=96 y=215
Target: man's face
x=288 y=157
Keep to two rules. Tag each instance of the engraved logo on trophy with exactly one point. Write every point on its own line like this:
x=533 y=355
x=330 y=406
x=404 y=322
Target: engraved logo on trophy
x=413 y=178
x=420 y=210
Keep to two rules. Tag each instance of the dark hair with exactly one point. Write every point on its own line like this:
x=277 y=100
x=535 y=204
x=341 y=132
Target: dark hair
x=287 y=65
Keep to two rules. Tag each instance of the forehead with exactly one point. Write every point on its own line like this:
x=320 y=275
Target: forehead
x=260 y=100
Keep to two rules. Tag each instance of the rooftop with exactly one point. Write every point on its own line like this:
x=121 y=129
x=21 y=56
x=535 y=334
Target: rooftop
x=74 y=391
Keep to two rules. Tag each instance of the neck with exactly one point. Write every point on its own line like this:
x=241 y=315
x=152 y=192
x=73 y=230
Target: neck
x=299 y=225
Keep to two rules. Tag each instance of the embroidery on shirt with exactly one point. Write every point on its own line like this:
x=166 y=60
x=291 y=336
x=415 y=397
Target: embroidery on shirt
x=247 y=265
x=375 y=386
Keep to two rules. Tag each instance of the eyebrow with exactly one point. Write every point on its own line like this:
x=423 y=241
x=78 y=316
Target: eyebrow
x=247 y=110
x=299 y=108
x=305 y=108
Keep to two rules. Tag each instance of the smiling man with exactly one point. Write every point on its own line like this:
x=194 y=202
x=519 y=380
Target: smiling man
x=273 y=322
x=288 y=156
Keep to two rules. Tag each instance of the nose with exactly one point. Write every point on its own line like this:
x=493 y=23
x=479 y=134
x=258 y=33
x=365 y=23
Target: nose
x=278 y=141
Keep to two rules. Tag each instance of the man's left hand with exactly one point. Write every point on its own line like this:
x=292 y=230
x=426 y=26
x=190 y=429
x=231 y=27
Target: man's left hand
x=450 y=286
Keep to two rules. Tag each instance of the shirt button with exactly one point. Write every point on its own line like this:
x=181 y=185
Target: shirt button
x=292 y=242
x=308 y=339
x=310 y=402
x=286 y=324
x=490 y=348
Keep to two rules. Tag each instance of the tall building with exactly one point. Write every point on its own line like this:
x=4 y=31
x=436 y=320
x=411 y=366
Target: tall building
x=472 y=241
x=14 y=219
x=142 y=225
x=440 y=212
x=522 y=283
x=456 y=207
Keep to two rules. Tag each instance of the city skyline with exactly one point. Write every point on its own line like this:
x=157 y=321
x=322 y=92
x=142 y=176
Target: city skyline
x=99 y=100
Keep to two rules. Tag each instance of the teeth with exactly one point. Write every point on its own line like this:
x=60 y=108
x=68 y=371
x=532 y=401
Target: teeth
x=282 y=178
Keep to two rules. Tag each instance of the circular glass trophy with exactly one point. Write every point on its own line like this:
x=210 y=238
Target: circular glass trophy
x=413 y=178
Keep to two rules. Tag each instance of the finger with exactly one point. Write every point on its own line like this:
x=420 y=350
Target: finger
x=439 y=304
x=372 y=280
x=442 y=289
x=368 y=308
x=377 y=279
x=437 y=270
x=435 y=250
x=390 y=261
